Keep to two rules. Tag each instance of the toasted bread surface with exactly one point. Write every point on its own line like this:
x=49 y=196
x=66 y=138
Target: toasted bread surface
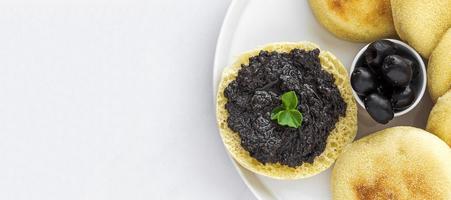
x=439 y=122
x=355 y=20
x=439 y=68
x=421 y=23
x=402 y=163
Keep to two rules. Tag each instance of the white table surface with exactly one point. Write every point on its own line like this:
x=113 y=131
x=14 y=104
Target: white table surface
x=111 y=100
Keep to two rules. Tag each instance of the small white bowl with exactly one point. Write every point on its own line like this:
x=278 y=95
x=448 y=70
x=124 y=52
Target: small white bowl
x=423 y=78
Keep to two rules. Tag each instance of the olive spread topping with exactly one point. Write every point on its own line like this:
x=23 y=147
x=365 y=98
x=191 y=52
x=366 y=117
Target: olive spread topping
x=257 y=90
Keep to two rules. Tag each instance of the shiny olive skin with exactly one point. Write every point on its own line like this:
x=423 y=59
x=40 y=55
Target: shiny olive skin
x=413 y=65
x=379 y=108
x=376 y=53
x=396 y=71
x=363 y=81
x=403 y=98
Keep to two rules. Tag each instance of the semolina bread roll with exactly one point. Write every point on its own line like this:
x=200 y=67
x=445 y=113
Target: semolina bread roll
x=421 y=22
x=439 y=122
x=439 y=68
x=358 y=21
x=343 y=133
x=403 y=163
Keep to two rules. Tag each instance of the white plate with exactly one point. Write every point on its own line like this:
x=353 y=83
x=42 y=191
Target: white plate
x=252 y=23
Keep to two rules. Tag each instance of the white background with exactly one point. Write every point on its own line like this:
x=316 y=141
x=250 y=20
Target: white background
x=111 y=100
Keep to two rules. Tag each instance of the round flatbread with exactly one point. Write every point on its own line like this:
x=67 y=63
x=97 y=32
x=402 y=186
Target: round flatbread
x=344 y=132
x=439 y=121
x=421 y=22
x=358 y=21
x=439 y=68
x=402 y=163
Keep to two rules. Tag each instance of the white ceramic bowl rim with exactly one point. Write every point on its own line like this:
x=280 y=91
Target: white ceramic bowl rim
x=423 y=76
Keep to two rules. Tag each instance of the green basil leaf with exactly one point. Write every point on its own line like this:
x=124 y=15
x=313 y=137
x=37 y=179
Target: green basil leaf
x=296 y=118
x=286 y=119
x=289 y=100
x=275 y=113
x=287 y=114
x=291 y=118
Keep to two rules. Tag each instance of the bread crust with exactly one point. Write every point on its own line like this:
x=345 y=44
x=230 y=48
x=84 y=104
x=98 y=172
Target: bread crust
x=421 y=22
x=344 y=132
x=439 y=122
x=439 y=68
x=355 y=20
x=403 y=163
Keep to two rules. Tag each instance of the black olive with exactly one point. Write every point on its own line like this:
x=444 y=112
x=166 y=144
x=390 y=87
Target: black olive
x=413 y=64
x=403 y=98
x=363 y=81
x=385 y=88
x=379 y=108
x=397 y=71
x=376 y=53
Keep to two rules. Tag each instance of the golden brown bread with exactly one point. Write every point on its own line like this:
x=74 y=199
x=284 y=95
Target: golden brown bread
x=439 y=68
x=421 y=22
x=439 y=121
x=402 y=163
x=344 y=132
x=355 y=20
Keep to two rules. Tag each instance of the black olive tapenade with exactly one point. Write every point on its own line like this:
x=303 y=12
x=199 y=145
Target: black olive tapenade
x=255 y=93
